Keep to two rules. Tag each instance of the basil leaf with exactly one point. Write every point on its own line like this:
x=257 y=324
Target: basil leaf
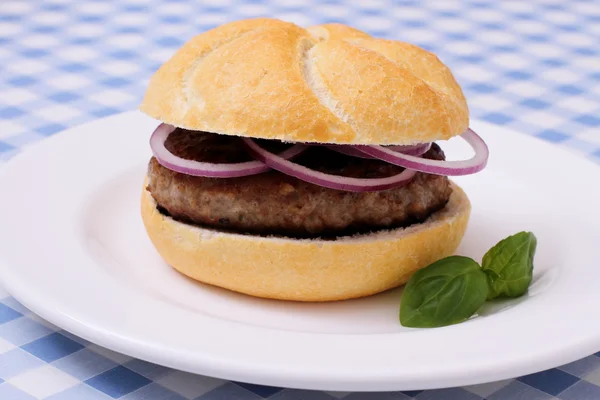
x=446 y=292
x=509 y=265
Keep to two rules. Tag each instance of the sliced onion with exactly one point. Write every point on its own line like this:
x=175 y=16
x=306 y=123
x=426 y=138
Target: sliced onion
x=449 y=168
x=326 y=180
x=414 y=150
x=349 y=151
x=211 y=170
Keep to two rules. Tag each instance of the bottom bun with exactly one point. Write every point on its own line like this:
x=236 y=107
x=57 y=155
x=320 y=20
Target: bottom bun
x=307 y=269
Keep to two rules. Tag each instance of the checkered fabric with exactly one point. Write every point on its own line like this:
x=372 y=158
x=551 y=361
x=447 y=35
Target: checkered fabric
x=531 y=66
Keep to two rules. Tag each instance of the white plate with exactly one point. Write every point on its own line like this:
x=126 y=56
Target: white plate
x=74 y=250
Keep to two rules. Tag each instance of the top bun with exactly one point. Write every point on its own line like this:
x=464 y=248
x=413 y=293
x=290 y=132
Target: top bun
x=271 y=79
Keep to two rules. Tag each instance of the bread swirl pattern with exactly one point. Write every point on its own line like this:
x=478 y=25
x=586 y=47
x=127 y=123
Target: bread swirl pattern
x=271 y=79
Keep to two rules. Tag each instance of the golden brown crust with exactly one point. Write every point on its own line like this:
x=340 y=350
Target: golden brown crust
x=307 y=270
x=271 y=79
x=336 y=31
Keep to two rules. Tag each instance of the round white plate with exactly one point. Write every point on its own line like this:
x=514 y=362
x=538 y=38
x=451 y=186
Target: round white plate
x=74 y=250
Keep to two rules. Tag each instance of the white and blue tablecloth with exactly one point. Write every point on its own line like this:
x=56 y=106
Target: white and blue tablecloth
x=532 y=66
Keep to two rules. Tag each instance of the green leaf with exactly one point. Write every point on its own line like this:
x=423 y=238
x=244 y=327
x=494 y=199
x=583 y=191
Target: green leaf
x=509 y=265
x=446 y=292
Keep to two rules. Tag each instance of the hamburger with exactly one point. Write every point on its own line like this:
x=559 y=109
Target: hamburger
x=301 y=164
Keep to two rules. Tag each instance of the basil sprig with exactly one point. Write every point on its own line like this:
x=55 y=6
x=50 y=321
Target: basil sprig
x=509 y=265
x=451 y=290
x=447 y=292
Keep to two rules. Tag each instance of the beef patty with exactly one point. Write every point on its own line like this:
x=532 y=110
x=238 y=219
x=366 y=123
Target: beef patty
x=273 y=203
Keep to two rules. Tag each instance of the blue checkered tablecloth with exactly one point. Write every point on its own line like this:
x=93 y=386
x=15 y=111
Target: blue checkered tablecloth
x=531 y=66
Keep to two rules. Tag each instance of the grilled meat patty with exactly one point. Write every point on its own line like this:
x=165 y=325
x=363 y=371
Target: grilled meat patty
x=273 y=203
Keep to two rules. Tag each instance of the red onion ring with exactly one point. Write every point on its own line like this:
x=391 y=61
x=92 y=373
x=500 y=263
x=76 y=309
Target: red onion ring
x=211 y=170
x=413 y=150
x=326 y=180
x=348 y=150
x=435 y=167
